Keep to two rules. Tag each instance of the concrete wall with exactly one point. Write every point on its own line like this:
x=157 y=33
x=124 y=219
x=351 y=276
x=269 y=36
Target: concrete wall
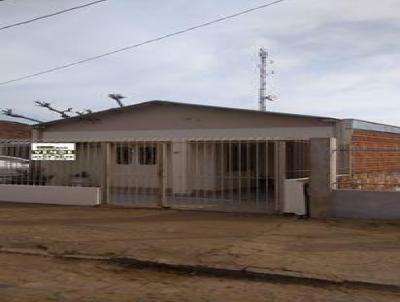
x=78 y=196
x=322 y=176
x=366 y=204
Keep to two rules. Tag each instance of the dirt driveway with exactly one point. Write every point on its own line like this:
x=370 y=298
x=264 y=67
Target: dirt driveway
x=366 y=251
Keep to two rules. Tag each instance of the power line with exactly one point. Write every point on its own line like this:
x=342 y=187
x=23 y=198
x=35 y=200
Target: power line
x=143 y=43
x=51 y=15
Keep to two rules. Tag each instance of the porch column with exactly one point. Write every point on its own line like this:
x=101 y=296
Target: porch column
x=179 y=167
x=163 y=174
x=322 y=176
x=280 y=174
x=106 y=173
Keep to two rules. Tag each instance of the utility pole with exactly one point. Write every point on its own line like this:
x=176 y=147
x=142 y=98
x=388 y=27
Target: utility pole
x=264 y=73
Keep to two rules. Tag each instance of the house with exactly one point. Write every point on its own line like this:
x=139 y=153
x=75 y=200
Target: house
x=14 y=130
x=197 y=156
x=13 y=139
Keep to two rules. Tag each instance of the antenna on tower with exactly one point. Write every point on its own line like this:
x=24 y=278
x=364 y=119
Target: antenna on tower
x=264 y=73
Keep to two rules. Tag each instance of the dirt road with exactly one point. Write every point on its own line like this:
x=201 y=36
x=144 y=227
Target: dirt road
x=361 y=251
x=336 y=249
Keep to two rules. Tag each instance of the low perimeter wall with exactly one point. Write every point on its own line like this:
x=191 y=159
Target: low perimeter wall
x=366 y=204
x=78 y=196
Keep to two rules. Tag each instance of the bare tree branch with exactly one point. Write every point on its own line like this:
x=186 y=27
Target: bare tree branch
x=85 y=112
x=9 y=112
x=62 y=113
x=117 y=97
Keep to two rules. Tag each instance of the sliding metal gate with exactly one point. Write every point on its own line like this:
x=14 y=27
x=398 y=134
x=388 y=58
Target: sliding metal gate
x=223 y=176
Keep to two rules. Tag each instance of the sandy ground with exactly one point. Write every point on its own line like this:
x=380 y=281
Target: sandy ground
x=335 y=249
x=32 y=278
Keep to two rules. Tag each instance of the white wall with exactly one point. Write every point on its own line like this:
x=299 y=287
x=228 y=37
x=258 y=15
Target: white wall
x=133 y=174
x=77 y=196
x=136 y=175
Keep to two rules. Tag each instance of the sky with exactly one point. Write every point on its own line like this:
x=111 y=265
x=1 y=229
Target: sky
x=335 y=58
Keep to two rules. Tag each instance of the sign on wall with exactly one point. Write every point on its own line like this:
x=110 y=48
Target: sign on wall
x=53 y=151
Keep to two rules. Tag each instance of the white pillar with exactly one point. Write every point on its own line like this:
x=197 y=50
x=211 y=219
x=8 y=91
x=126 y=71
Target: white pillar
x=280 y=175
x=179 y=167
x=163 y=174
x=106 y=173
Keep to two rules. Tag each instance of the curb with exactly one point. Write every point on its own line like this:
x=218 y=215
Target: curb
x=247 y=273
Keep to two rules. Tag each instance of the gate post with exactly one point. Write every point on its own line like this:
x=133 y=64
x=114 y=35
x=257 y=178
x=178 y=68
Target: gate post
x=322 y=176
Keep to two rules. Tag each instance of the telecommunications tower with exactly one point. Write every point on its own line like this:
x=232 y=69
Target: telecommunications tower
x=265 y=74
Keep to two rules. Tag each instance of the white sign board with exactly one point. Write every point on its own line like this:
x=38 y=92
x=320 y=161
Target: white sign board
x=53 y=151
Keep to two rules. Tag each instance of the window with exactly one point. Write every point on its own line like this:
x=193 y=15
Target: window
x=147 y=155
x=124 y=155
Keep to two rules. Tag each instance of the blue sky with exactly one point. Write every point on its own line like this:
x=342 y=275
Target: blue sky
x=336 y=58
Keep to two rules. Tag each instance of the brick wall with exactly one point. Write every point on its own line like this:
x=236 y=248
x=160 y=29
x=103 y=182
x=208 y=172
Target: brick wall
x=13 y=130
x=375 y=163
x=376 y=157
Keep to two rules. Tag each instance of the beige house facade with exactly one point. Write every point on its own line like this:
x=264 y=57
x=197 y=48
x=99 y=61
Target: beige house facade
x=186 y=155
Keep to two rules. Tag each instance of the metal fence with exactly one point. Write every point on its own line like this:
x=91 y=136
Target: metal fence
x=369 y=169
x=232 y=175
x=16 y=166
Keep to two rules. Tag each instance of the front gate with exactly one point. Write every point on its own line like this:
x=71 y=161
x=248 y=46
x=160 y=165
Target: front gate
x=224 y=176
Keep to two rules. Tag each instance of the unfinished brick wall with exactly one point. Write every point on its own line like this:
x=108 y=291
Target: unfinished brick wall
x=375 y=163
x=13 y=130
x=379 y=154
